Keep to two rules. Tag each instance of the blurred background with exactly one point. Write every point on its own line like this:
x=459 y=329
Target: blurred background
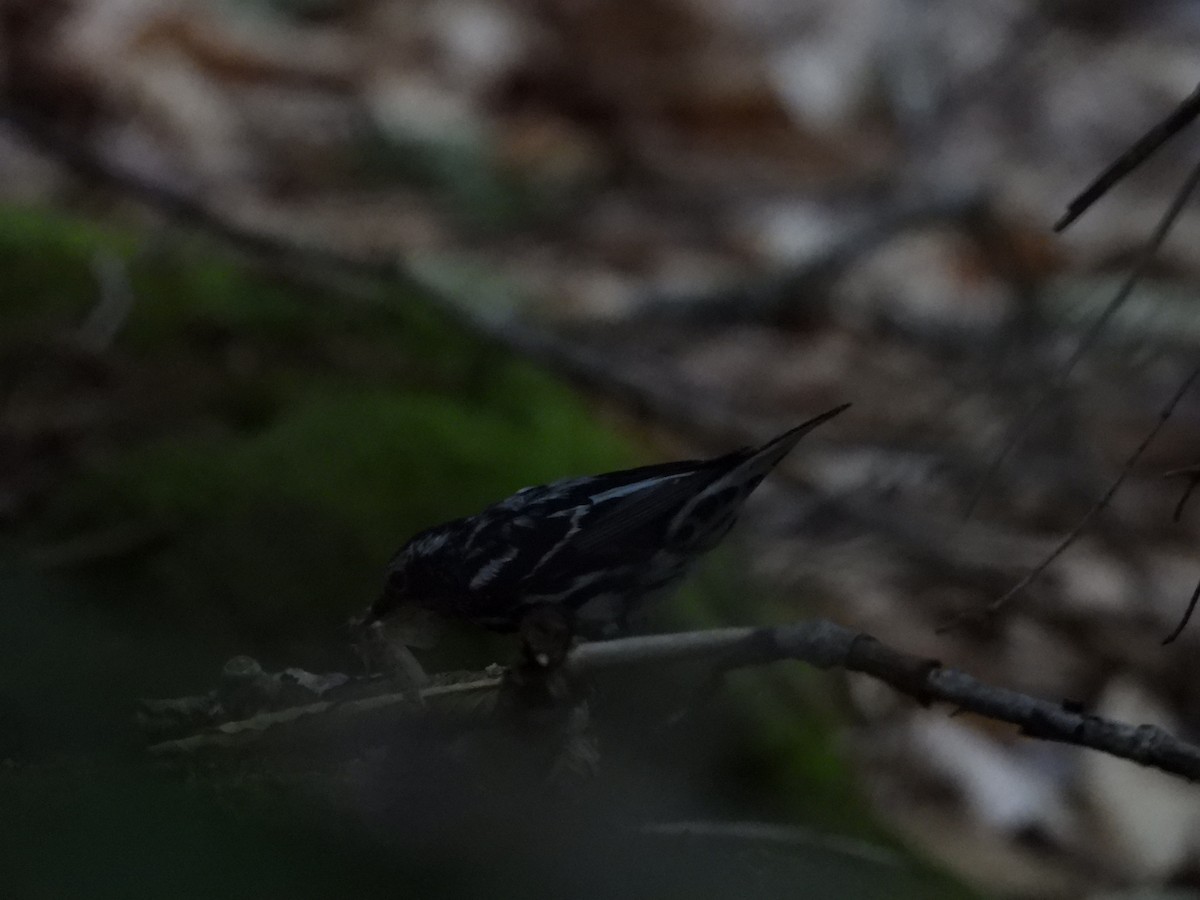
x=284 y=281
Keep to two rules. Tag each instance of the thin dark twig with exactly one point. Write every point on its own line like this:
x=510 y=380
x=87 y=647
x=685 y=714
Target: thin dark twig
x=1187 y=617
x=1193 y=482
x=1178 y=119
x=1145 y=258
x=1079 y=528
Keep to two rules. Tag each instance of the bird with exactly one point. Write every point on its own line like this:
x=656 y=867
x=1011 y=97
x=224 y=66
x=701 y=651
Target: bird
x=593 y=549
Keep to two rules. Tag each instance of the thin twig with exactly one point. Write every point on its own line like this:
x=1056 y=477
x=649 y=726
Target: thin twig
x=1145 y=258
x=1178 y=119
x=1193 y=482
x=1078 y=530
x=1187 y=617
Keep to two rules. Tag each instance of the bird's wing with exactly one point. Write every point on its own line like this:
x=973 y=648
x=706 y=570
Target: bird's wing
x=636 y=515
x=576 y=525
x=543 y=533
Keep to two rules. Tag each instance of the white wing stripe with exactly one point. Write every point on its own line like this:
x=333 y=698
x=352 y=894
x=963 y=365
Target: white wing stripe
x=492 y=568
x=576 y=517
x=626 y=489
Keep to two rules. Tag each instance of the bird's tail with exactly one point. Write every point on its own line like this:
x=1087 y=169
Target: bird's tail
x=706 y=518
x=767 y=457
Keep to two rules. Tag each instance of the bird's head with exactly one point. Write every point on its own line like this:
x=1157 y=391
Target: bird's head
x=407 y=589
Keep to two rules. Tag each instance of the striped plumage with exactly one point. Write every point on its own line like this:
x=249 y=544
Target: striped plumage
x=594 y=546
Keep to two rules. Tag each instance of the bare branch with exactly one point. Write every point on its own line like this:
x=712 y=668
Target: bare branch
x=827 y=645
x=819 y=643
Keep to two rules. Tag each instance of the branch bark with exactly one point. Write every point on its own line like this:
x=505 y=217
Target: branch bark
x=819 y=643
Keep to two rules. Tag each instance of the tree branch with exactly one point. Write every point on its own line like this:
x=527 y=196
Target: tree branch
x=819 y=643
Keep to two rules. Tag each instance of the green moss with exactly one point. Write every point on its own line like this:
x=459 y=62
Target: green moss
x=391 y=462
x=288 y=439
x=287 y=527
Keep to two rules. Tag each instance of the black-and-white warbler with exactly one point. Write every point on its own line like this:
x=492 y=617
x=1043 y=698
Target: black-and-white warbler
x=593 y=548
